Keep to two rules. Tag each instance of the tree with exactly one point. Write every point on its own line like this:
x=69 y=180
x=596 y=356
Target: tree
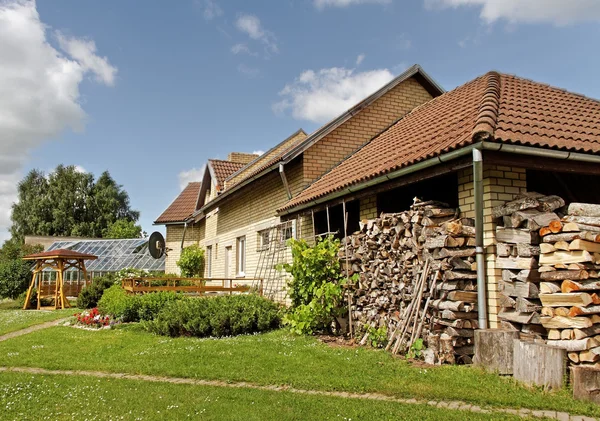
x=69 y=203
x=191 y=262
x=123 y=228
x=15 y=273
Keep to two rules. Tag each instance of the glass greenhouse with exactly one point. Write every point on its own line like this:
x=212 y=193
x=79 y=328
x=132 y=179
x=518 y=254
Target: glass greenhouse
x=113 y=255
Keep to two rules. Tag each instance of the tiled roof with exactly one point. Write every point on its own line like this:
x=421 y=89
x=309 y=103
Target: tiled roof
x=183 y=206
x=493 y=107
x=223 y=169
x=60 y=253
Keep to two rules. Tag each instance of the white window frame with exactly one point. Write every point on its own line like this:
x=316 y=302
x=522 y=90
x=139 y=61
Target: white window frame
x=209 y=258
x=240 y=256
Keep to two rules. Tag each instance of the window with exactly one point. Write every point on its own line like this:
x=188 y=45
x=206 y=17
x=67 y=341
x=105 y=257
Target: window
x=209 y=258
x=285 y=231
x=241 y=256
x=264 y=239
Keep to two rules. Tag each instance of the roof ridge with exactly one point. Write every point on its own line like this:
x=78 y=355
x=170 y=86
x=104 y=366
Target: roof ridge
x=487 y=115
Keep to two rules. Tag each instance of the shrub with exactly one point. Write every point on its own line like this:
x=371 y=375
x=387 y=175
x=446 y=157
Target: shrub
x=191 y=262
x=117 y=303
x=91 y=294
x=32 y=299
x=315 y=287
x=216 y=316
x=15 y=276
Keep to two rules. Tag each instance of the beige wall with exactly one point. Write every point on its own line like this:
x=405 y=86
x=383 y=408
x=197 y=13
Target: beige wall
x=368 y=207
x=193 y=235
x=500 y=185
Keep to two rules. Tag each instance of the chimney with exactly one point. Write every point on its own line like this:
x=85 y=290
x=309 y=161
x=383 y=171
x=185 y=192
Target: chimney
x=241 y=157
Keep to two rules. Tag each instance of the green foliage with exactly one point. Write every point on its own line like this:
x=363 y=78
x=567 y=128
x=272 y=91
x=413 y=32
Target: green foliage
x=191 y=262
x=125 y=307
x=68 y=202
x=315 y=287
x=91 y=294
x=122 y=228
x=378 y=337
x=32 y=300
x=216 y=316
x=415 y=349
x=15 y=273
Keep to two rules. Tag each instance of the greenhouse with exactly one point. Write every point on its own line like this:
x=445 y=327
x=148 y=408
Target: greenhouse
x=113 y=255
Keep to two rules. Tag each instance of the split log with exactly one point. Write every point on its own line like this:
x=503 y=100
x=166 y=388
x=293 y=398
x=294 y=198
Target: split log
x=524 y=305
x=565 y=257
x=570 y=227
x=532 y=218
x=463 y=333
x=584 y=333
x=572 y=285
x=517 y=317
x=565 y=275
x=527 y=250
x=583 y=209
x=506 y=301
x=468 y=296
x=569 y=300
x=519 y=289
x=585 y=220
x=547 y=248
x=590 y=246
x=515 y=236
x=454 y=315
x=444 y=253
x=589 y=356
x=554 y=334
x=574 y=345
x=516 y=263
x=459 y=264
x=450 y=275
x=448 y=305
x=570 y=236
x=573 y=357
x=549 y=287
x=504 y=250
x=555 y=227
x=580 y=310
x=561 y=245
x=561 y=322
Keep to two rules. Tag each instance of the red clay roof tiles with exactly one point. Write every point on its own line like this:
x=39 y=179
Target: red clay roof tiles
x=493 y=107
x=223 y=169
x=183 y=206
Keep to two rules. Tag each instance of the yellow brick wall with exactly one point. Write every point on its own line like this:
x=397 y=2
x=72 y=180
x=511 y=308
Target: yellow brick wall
x=193 y=235
x=368 y=207
x=365 y=125
x=500 y=185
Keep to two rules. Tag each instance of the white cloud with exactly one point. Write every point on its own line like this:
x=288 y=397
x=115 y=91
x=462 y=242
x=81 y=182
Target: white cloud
x=259 y=152
x=251 y=26
x=360 y=59
x=557 y=12
x=39 y=91
x=80 y=169
x=321 y=4
x=211 y=9
x=242 y=49
x=84 y=52
x=322 y=95
x=194 y=174
x=250 y=72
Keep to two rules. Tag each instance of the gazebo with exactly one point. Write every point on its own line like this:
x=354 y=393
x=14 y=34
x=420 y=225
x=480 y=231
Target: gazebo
x=59 y=260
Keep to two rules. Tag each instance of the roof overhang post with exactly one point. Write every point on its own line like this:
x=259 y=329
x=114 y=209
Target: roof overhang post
x=284 y=180
x=479 y=249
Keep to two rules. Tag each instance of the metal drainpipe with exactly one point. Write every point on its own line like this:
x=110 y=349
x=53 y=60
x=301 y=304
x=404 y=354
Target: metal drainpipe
x=479 y=250
x=183 y=236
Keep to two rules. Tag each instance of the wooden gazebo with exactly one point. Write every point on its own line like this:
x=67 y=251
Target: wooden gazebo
x=60 y=260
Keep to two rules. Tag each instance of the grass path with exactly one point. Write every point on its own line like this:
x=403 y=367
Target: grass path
x=30 y=329
x=447 y=406
x=17 y=319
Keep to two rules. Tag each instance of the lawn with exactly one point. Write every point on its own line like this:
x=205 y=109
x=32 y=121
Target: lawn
x=275 y=358
x=57 y=397
x=12 y=320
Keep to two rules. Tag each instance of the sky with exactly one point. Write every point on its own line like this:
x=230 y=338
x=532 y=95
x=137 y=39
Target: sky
x=150 y=90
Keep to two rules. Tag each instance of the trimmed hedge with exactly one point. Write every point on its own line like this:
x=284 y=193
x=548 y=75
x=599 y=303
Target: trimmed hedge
x=91 y=294
x=216 y=316
x=117 y=303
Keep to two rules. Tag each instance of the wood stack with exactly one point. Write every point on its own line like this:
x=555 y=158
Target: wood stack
x=570 y=282
x=517 y=251
x=417 y=278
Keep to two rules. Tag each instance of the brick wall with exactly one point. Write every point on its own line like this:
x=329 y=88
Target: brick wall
x=368 y=207
x=500 y=185
x=362 y=127
x=241 y=157
x=193 y=235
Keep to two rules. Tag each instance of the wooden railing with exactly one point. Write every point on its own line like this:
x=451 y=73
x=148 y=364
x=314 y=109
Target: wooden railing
x=192 y=285
x=71 y=289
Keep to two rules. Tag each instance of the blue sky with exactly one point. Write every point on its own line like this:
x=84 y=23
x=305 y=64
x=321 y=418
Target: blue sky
x=159 y=89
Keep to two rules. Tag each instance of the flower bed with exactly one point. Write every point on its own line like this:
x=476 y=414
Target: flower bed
x=93 y=319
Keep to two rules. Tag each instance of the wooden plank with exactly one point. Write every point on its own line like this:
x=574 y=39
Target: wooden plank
x=494 y=350
x=565 y=257
x=538 y=364
x=569 y=300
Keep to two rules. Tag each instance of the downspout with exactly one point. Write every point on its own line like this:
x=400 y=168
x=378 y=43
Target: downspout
x=183 y=236
x=285 y=182
x=479 y=249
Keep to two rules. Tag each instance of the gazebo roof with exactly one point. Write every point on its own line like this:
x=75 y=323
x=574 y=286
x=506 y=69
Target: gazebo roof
x=60 y=254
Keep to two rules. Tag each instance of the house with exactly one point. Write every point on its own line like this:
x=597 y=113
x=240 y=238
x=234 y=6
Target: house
x=238 y=225
x=475 y=147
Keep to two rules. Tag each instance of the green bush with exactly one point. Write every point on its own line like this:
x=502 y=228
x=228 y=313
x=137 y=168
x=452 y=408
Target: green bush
x=315 y=287
x=15 y=276
x=216 y=316
x=91 y=294
x=117 y=303
x=191 y=262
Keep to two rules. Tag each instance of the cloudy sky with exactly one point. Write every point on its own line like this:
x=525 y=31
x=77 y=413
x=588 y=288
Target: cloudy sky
x=149 y=93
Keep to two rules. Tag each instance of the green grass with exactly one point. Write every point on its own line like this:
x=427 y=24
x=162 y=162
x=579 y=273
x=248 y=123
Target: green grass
x=275 y=358
x=13 y=320
x=57 y=397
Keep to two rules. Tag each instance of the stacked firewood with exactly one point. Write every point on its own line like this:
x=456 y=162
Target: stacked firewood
x=417 y=279
x=570 y=282
x=517 y=251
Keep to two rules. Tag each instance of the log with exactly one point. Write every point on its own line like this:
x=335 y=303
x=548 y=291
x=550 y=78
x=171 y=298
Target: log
x=514 y=206
x=555 y=227
x=565 y=257
x=561 y=311
x=468 y=296
x=455 y=315
x=566 y=334
x=583 y=209
x=439 y=212
x=538 y=364
x=544 y=231
x=589 y=356
x=448 y=305
x=561 y=322
x=527 y=250
x=584 y=333
x=450 y=275
x=532 y=219
x=573 y=357
x=515 y=236
x=494 y=350
x=523 y=305
x=517 y=317
x=444 y=253
x=579 y=244
x=554 y=334
x=570 y=227
x=463 y=333
x=507 y=301
x=561 y=245
x=504 y=250
x=565 y=275
x=585 y=220
x=570 y=236
x=459 y=264
x=574 y=345
x=571 y=285
x=550 y=203
x=516 y=263
x=547 y=248
x=580 y=311
x=549 y=287
x=519 y=289
x=568 y=300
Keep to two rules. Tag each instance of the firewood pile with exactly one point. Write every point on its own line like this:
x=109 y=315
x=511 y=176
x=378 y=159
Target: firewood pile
x=417 y=278
x=517 y=251
x=570 y=282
